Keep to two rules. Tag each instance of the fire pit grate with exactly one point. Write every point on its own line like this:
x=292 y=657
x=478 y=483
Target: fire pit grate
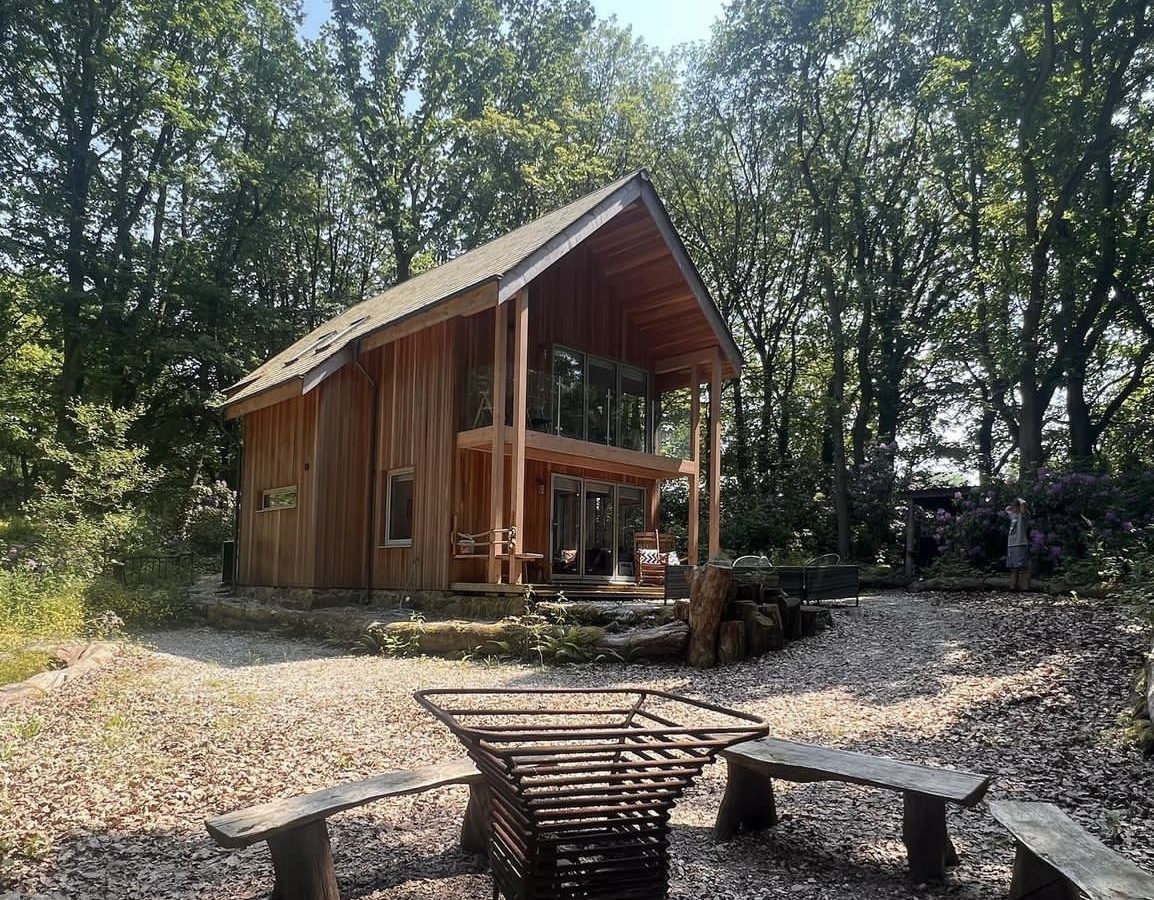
x=582 y=782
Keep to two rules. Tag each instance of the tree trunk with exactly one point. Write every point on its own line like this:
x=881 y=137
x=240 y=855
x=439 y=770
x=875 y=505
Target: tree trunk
x=708 y=595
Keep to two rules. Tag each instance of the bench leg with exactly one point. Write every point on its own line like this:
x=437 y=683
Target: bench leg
x=303 y=862
x=927 y=843
x=1037 y=879
x=748 y=802
x=475 y=828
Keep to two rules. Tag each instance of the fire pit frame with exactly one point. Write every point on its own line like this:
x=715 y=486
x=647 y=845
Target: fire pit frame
x=580 y=796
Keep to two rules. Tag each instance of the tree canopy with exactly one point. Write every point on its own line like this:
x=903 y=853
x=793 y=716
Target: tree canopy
x=929 y=225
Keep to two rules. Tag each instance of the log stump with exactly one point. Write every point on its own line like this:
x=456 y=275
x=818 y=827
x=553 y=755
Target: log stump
x=772 y=612
x=731 y=642
x=708 y=594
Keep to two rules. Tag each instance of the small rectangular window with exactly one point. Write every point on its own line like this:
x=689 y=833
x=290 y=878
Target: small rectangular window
x=279 y=498
x=399 y=509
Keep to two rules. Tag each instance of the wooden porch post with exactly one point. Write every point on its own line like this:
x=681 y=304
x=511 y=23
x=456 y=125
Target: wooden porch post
x=497 y=472
x=715 y=457
x=695 y=457
x=520 y=388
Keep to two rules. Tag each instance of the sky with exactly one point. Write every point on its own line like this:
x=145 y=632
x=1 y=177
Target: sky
x=662 y=23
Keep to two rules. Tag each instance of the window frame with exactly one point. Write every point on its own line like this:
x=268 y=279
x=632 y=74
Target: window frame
x=614 y=426
x=268 y=492
x=404 y=473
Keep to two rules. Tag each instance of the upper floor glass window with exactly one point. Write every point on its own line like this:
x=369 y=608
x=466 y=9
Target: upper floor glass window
x=600 y=400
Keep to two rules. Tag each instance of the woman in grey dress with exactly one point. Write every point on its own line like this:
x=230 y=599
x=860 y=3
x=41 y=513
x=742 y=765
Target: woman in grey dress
x=1018 y=546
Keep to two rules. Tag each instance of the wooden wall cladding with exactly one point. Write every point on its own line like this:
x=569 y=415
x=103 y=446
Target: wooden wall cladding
x=321 y=443
x=344 y=419
x=279 y=448
x=419 y=382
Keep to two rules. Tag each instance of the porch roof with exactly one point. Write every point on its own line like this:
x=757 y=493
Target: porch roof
x=502 y=267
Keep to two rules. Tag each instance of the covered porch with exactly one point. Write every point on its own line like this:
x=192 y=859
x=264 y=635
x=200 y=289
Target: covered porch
x=550 y=486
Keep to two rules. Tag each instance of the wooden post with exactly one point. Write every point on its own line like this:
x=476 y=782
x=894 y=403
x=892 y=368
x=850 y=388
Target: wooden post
x=497 y=473
x=695 y=458
x=475 y=827
x=748 y=802
x=303 y=862
x=715 y=458
x=520 y=382
x=653 y=515
x=927 y=841
x=911 y=541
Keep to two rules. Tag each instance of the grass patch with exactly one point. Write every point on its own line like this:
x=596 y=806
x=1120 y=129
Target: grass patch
x=18 y=664
x=39 y=608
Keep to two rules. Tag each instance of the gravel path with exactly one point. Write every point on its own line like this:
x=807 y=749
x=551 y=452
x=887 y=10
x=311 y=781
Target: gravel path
x=104 y=785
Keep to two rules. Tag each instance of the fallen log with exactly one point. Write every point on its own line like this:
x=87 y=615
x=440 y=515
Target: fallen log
x=662 y=642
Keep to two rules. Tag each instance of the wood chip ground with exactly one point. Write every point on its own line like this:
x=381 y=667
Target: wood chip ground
x=105 y=784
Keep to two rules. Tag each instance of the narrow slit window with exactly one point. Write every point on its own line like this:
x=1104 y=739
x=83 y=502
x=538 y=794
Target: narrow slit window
x=279 y=498
x=399 y=509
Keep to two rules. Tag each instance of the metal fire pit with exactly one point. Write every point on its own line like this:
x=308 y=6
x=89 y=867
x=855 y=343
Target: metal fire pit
x=582 y=782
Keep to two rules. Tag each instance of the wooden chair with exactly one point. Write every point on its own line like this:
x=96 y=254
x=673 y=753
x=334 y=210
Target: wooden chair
x=651 y=550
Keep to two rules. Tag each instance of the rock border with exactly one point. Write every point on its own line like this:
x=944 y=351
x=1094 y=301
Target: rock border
x=79 y=660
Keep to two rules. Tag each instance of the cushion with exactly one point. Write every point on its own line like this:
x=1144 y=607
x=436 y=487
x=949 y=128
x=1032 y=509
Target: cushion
x=650 y=557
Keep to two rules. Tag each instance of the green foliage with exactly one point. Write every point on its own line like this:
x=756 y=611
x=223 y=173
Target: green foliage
x=18 y=664
x=1092 y=528
x=209 y=518
x=550 y=640
x=397 y=643
x=97 y=505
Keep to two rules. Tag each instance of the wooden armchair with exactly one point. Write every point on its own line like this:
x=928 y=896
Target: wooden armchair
x=651 y=554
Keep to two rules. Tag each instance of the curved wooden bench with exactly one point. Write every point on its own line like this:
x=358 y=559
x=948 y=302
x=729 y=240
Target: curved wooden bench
x=749 y=802
x=1056 y=855
x=298 y=835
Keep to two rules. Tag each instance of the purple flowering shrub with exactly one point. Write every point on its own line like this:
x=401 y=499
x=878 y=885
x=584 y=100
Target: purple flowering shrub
x=1081 y=524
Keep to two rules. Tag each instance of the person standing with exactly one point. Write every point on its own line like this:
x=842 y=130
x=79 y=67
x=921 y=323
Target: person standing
x=1018 y=545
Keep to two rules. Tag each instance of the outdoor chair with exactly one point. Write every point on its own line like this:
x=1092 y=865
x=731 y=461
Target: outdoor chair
x=652 y=552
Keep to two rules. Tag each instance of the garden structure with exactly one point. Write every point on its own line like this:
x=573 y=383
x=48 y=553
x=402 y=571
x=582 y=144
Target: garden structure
x=493 y=421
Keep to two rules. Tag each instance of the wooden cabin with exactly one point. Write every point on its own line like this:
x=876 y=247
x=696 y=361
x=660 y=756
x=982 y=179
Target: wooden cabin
x=369 y=444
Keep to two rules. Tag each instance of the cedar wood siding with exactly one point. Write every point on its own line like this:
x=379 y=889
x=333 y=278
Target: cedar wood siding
x=279 y=446
x=572 y=304
x=320 y=442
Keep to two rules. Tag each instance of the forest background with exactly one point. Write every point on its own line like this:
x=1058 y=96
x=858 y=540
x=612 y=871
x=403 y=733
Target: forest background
x=927 y=223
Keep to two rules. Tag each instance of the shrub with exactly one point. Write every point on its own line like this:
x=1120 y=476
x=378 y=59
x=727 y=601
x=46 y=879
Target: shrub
x=209 y=518
x=1087 y=526
x=96 y=505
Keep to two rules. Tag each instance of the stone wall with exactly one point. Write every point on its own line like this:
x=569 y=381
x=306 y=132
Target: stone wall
x=434 y=603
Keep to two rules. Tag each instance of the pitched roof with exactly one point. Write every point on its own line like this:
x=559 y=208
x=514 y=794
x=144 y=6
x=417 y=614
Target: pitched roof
x=513 y=260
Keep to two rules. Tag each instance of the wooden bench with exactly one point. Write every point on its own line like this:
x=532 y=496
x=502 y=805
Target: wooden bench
x=749 y=802
x=1056 y=857
x=298 y=837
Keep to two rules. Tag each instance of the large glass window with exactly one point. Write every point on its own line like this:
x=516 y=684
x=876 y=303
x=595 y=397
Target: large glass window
x=600 y=400
x=601 y=408
x=569 y=383
x=634 y=413
x=594 y=523
x=630 y=519
x=566 y=526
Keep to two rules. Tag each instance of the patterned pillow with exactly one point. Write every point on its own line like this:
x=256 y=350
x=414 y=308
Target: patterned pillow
x=650 y=557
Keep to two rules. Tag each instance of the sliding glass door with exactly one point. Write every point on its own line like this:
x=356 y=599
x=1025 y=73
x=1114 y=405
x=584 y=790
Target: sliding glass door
x=593 y=525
